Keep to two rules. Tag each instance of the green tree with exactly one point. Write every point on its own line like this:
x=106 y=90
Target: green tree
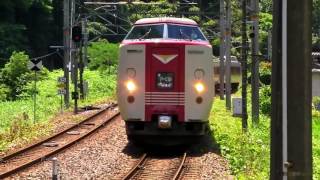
x=39 y=26
x=12 y=28
x=266 y=6
x=103 y=55
x=15 y=75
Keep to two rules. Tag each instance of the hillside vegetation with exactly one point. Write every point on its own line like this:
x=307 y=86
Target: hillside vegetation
x=16 y=117
x=249 y=153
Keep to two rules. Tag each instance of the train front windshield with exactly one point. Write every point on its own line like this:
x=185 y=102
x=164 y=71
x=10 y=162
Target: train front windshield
x=171 y=31
x=146 y=32
x=185 y=32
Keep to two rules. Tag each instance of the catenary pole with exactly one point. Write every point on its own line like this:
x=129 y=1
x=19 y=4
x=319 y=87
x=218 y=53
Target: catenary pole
x=276 y=162
x=222 y=48
x=255 y=61
x=74 y=60
x=291 y=139
x=299 y=96
x=244 y=65
x=66 y=45
x=82 y=57
x=228 y=55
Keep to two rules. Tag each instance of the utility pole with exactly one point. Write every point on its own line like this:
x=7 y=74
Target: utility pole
x=291 y=121
x=269 y=45
x=244 y=65
x=66 y=45
x=85 y=42
x=74 y=59
x=228 y=56
x=276 y=162
x=82 y=57
x=222 y=48
x=255 y=61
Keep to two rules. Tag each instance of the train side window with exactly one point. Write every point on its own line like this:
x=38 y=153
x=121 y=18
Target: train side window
x=146 y=32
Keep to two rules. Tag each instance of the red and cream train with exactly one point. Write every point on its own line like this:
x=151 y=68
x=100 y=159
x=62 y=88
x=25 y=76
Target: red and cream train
x=165 y=87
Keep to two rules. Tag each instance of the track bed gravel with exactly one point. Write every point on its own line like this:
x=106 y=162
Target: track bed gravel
x=108 y=155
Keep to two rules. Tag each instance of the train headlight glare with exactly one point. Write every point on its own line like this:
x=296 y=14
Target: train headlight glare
x=199 y=87
x=131 y=86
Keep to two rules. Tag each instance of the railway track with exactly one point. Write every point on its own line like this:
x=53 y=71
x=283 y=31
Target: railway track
x=41 y=150
x=157 y=168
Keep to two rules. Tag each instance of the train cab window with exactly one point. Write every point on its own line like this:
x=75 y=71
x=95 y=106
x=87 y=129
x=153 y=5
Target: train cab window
x=146 y=32
x=165 y=80
x=185 y=32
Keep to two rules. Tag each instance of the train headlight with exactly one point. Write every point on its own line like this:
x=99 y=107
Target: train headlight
x=131 y=86
x=199 y=87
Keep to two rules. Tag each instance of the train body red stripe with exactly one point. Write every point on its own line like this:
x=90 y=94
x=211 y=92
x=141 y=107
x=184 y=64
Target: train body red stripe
x=165 y=101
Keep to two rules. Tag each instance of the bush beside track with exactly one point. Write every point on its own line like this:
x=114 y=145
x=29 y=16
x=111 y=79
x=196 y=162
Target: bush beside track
x=248 y=153
x=16 y=117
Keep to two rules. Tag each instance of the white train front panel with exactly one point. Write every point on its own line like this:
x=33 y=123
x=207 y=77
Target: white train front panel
x=165 y=84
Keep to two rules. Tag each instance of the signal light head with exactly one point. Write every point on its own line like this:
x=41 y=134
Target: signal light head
x=76 y=33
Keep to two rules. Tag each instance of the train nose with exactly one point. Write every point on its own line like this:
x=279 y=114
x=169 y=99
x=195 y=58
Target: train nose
x=164 y=122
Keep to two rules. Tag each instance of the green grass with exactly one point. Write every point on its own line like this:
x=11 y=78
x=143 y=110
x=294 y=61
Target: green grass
x=16 y=117
x=248 y=153
x=316 y=144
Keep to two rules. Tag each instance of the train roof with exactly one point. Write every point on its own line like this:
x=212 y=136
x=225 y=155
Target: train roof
x=184 y=21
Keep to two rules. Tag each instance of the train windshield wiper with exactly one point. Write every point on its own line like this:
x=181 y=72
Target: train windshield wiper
x=145 y=35
x=184 y=36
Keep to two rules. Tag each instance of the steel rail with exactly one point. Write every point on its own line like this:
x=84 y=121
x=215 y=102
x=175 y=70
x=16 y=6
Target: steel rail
x=39 y=159
x=9 y=156
x=179 y=170
x=136 y=167
x=142 y=161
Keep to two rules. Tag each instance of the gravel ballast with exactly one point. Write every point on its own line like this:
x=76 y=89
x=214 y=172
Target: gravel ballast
x=108 y=155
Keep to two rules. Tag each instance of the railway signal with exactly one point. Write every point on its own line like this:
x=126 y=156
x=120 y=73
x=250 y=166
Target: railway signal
x=77 y=33
x=35 y=65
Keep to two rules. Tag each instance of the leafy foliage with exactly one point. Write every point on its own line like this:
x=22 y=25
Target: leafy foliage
x=266 y=6
x=247 y=153
x=316 y=143
x=15 y=75
x=30 y=26
x=265 y=73
x=103 y=55
x=39 y=27
x=18 y=127
x=316 y=18
x=265 y=99
x=13 y=38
